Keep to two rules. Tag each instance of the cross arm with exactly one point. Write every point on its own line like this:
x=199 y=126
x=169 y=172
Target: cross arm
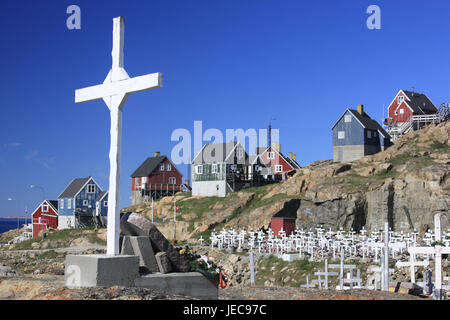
x=126 y=86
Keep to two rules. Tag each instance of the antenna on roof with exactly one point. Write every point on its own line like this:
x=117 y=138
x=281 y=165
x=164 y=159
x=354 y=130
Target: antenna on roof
x=270 y=132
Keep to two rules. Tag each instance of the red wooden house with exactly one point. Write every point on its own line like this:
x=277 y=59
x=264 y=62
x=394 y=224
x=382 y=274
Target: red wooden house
x=408 y=103
x=276 y=161
x=156 y=177
x=45 y=216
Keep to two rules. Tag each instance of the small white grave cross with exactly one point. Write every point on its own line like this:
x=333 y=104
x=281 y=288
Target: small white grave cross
x=438 y=250
x=115 y=91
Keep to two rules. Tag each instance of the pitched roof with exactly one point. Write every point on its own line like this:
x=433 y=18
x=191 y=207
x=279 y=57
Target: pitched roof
x=217 y=152
x=73 y=188
x=54 y=204
x=292 y=162
x=148 y=166
x=369 y=123
x=419 y=102
x=101 y=195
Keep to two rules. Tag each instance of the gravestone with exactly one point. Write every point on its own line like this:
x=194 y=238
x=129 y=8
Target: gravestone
x=133 y=224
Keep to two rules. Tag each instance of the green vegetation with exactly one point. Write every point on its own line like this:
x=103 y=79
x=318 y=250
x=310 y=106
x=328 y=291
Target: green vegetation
x=293 y=274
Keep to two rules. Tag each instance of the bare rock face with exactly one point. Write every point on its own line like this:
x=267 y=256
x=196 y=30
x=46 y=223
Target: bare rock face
x=133 y=224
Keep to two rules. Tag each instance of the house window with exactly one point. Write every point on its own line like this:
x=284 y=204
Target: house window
x=279 y=168
x=240 y=153
x=270 y=155
x=161 y=167
x=44 y=208
x=91 y=188
x=400 y=99
x=61 y=203
x=172 y=180
x=348 y=118
x=341 y=134
x=69 y=204
x=402 y=111
x=199 y=169
x=214 y=168
x=105 y=203
x=169 y=167
x=369 y=135
x=375 y=134
x=85 y=203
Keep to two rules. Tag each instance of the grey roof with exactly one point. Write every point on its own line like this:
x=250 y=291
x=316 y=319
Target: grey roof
x=148 y=166
x=73 y=188
x=369 y=123
x=100 y=196
x=420 y=103
x=216 y=152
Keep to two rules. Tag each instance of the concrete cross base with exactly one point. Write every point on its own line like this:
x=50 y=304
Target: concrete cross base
x=192 y=284
x=100 y=270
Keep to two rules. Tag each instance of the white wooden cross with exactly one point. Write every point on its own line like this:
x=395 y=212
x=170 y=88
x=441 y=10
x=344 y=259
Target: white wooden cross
x=412 y=264
x=326 y=274
x=438 y=250
x=115 y=91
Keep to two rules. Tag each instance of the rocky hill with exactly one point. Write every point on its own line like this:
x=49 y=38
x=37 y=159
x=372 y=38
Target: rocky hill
x=406 y=185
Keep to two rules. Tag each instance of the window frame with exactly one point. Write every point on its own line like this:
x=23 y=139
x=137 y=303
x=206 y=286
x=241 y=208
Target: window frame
x=61 y=204
x=271 y=155
x=278 y=168
x=341 y=135
x=168 y=167
x=214 y=168
x=347 y=117
x=199 y=169
x=161 y=167
x=172 y=180
x=45 y=208
x=89 y=187
x=85 y=203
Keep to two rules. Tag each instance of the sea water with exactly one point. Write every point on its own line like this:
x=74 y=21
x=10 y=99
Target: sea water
x=9 y=224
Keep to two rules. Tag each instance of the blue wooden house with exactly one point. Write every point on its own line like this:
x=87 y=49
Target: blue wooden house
x=101 y=204
x=356 y=135
x=77 y=204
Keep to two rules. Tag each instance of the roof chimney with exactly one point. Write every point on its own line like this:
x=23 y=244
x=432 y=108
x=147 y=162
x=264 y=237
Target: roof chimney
x=291 y=155
x=157 y=154
x=360 y=109
x=294 y=157
x=186 y=182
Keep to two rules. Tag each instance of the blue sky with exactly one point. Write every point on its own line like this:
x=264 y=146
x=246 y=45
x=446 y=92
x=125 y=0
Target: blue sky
x=232 y=64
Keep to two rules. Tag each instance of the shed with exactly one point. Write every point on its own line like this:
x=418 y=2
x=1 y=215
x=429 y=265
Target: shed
x=285 y=218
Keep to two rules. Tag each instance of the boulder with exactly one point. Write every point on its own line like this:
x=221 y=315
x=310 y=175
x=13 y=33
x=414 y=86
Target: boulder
x=133 y=224
x=163 y=262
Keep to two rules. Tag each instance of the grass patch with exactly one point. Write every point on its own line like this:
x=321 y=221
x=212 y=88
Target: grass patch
x=51 y=254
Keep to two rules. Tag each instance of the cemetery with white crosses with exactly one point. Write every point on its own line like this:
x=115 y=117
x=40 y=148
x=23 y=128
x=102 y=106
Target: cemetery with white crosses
x=380 y=247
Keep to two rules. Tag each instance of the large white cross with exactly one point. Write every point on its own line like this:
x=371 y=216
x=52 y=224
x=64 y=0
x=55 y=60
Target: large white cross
x=115 y=91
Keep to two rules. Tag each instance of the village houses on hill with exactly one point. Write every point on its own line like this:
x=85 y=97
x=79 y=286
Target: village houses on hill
x=222 y=168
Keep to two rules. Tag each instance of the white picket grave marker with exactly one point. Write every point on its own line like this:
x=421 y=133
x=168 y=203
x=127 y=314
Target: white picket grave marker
x=438 y=250
x=252 y=269
x=115 y=91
